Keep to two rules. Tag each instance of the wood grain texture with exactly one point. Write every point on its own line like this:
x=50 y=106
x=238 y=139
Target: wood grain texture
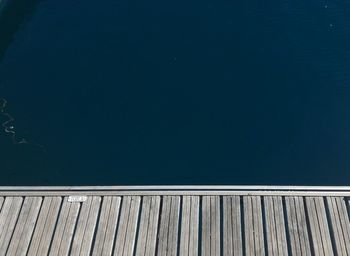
x=171 y=225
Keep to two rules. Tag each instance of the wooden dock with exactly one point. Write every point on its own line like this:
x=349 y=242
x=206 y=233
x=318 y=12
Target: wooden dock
x=177 y=220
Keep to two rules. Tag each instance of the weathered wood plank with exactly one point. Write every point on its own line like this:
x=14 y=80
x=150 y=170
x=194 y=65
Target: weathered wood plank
x=293 y=226
x=128 y=222
x=336 y=227
x=123 y=225
x=271 y=227
x=194 y=226
x=8 y=219
x=80 y=227
x=132 y=226
x=185 y=226
x=38 y=232
x=227 y=228
x=152 y=227
x=323 y=224
x=189 y=226
x=168 y=233
x=280 y=226
x=253 y=222
x=211 y=225
x=206 y=226
x=164 y=225
x=248 y=226
x=215 y=225
x=302 y=226
x=173 y=226
x=144 y=223
x=344 y=220
x=43 y=232
x=232 y=240
x=315 y=227
x=25 y=226
x=107 y=226
x=1 y=202
x=65 y=228
x=85 y=227
x=90 y=226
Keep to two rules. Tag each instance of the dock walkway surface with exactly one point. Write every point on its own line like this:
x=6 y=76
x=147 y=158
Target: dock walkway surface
x=174 y=220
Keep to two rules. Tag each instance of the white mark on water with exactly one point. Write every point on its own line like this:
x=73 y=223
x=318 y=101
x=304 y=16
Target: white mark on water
x=9 y=128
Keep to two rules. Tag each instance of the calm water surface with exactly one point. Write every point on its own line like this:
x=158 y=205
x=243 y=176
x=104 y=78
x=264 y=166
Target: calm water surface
x=176 y=92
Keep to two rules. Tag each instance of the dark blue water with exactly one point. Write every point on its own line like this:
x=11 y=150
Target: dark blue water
x=176 y=92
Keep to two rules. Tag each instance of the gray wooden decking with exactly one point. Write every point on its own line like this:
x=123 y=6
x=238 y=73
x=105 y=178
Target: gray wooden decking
x=226 y=220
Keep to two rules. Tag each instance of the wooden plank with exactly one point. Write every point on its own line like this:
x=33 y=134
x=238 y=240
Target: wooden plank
x=38 y=232
x=127 y=228
x=107 y=226
x=146 y=243
x=90 y=226
x=164 y=225
x=144 y=224
x=8 y=219
x=25 y=226
x=132 y=226
x=293 y=226
x=232 y=240
x=314 y=226
x=185 y=226
x=123 y=224
x=85 y=227
x=65 y=228
x=22 y=219
x=344 y=220
x=194 y=226
x=80 y=227
x=173 y=226
x=102 y=226
x=280 y=226
x=205 y=226
x=211 y=225
x=43 y=232
x=152 y=227
x=323 y=224
x=1 y=202
x=215 y=225
x=258 y=226
x=336 y=228
x=248 y=226
x=302 y=226
x=254 y=233
x=168 y=233
x=271 y=227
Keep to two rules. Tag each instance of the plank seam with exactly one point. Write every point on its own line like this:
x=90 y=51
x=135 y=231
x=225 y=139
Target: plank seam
x=286 y=226
x=308 y=225
x=158 y=225
x=200 y=222
x=179 y=226
x=330 y=226
x=87 y=219
x=122 y=199
x=97 y=224
x=56 y=223
x=263 y=213
x=243 y=226
x=138 y=224
x=75 y=227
